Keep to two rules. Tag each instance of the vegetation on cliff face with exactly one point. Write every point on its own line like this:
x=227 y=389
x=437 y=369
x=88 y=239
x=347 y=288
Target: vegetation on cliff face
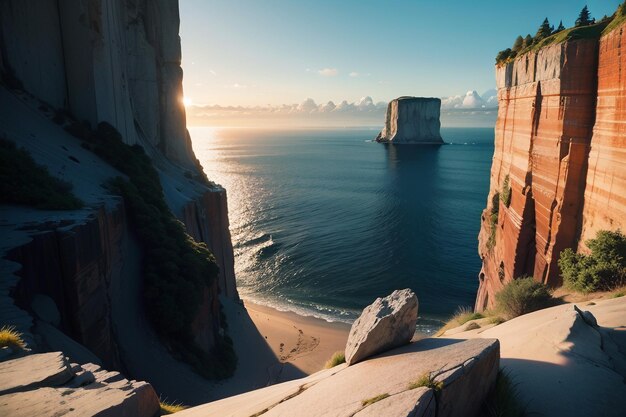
x=602 y=270
x=23 y=181
x=176 y=268
x=586 y=27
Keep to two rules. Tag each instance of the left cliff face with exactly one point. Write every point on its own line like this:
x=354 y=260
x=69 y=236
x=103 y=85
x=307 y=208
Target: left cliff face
x=412 y=120
x=115 y=61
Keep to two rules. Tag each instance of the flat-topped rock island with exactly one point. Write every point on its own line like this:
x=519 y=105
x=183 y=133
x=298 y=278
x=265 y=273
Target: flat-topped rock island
x=412 y=120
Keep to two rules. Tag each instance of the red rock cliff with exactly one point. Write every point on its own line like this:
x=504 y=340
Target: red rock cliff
x=562 y=155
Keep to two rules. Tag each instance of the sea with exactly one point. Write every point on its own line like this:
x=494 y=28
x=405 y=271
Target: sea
x=324 y=221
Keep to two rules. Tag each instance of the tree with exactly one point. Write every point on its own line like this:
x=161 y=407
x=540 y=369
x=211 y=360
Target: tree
x=560 y=28
x=544 y=30
x=518 y=45
x=503 y=55
x=528 y=41
x=584 y=18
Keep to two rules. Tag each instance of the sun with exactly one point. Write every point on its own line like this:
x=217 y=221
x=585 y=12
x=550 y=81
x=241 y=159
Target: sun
x=187 y=101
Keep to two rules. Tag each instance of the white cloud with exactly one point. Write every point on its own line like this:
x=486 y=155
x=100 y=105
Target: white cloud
x=471 y=100
x=354 y=74
x=328 y=72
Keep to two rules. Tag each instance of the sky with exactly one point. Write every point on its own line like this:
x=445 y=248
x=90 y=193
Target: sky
x=275 y=52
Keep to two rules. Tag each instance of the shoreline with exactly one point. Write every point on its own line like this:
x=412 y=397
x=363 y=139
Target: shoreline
x=303 y=341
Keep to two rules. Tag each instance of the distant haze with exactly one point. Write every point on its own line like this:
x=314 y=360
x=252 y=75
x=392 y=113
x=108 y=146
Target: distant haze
x=465 y=110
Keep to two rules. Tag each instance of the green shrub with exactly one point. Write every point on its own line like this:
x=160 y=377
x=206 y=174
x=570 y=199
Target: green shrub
x=505 y=196
x=24 y=182
x=603 y=269
x=337 y=359
x=520 y=296
x=176 y=268
x=493 y=225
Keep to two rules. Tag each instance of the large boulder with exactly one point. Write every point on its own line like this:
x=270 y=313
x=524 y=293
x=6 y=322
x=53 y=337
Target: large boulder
x=386 y=323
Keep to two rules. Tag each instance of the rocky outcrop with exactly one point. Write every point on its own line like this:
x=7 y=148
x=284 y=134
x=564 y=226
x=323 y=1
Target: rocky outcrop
x=206 y=220
x=412 y=120
x=385 y=324
x=547 y=352
x=553 y=183
x=466 y=369
x=73 y=265
x=48 y=384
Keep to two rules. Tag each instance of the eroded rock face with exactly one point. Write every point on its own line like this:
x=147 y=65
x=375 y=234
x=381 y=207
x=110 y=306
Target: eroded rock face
x=386 y=323
x=605 y=191
x=543 y=133
x=412 y=120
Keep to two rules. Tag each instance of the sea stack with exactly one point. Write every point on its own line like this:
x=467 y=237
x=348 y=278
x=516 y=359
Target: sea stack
x=412 y=120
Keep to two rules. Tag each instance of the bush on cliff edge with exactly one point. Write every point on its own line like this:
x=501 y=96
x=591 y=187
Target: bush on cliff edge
x=521 y=296
x=603 y=269
x=23 y=181
x=176 y=268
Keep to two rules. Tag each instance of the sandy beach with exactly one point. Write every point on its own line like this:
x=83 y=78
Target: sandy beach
x=304 y=342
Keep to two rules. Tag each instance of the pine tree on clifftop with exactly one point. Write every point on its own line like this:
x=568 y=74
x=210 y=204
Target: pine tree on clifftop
x=528 y=41
x=518 y=45
x=584 y=18
x=560 y=28
x=544 y=30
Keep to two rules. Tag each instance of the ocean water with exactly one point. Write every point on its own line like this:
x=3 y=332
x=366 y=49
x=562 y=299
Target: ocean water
x=325 y=221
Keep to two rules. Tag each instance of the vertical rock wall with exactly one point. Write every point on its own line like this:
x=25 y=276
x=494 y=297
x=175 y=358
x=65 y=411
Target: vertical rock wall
x=74 y=265
x=605 y=193
x=412 y=120
x=117 y=61
x=562 y=182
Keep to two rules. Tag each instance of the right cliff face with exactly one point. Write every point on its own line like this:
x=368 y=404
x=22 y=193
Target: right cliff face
x=555 y=177
x=412 y=120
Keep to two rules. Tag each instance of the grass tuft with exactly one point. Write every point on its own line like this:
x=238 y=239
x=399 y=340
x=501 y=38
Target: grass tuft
x=462 y=316
x=427 y=380
x=375 y=399
x=170 y=408
x=337 y=359
x=9 y=337
x=617 y=294
x=504 y=400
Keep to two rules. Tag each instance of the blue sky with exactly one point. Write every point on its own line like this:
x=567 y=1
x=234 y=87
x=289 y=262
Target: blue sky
x=270 y=52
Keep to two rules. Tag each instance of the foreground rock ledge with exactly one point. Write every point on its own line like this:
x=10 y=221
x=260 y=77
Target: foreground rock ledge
x=386 y=323
x=47 y=384
x=467 y=369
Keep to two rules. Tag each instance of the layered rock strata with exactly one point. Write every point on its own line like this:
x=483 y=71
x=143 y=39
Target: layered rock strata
x=557 y=175
x=412 y=120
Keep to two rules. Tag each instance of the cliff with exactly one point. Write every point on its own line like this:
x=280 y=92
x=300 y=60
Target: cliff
x=412 y=120
x=555 y=177
x=101 y=61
